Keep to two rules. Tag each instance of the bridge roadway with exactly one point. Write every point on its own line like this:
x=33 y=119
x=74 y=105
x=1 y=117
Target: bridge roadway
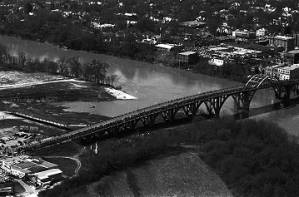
x=103 y=128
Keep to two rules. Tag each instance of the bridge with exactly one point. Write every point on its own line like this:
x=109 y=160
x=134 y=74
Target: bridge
x=168 y=111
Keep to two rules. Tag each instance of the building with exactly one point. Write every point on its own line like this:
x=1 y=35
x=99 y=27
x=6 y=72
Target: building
x=46 y=178
x=168 y=47
x=187 y=57
x=289 y=72
x=296 y=37
x=7 y=189
x=292 y=57
x=243 y=34
x=261 y=32
x=22 y=166
x=193 y=24
x=286 y=42
x=21 y=169
x=272 y=71
x=216 y=62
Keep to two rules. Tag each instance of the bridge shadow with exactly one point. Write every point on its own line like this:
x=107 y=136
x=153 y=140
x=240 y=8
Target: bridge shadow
x=183 y=120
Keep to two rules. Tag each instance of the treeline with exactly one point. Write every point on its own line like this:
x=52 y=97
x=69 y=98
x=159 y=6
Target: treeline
x=54 y=28
x=94 y=71
x=254 y=158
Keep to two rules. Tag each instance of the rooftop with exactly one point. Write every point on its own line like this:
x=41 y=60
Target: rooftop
x=166 y=46
x=45 y=174
x=284 y=37
x=292 y=67
x=294 y=51
x=25 y=165
x=194 y=23
x=187 y=53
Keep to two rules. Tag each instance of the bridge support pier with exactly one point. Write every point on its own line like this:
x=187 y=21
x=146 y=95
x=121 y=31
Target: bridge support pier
x=149 y=121
x=214 y=105
x=242 y=103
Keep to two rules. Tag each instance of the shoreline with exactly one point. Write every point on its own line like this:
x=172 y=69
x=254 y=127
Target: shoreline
x=119 y=95
x=191 y=70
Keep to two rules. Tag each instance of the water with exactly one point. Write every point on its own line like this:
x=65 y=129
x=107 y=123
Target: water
x=151 y=83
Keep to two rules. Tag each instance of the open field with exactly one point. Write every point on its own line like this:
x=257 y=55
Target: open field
x=56 y=90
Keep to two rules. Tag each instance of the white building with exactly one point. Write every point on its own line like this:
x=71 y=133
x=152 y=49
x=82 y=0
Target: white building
x=289 y=72
x=261 y=32
x=216 y=62
x=47 y=177
x=168 y=47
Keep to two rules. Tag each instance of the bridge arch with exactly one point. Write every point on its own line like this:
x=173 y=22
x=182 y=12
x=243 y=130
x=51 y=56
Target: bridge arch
x=257 y=80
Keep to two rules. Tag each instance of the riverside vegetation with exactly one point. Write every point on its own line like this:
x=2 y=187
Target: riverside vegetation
x=254 y=158
x=94 y=71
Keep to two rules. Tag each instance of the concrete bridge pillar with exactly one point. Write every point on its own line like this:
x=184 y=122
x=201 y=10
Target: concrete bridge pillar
x=149 y=120
x=191 y=109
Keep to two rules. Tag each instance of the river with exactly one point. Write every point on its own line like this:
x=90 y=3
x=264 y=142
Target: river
x=150 y=83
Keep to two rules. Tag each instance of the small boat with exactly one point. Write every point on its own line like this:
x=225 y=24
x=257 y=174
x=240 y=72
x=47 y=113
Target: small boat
x=92 y=106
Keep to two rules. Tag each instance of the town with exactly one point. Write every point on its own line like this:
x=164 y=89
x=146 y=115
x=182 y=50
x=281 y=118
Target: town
x=148 y=31
x=84 y=92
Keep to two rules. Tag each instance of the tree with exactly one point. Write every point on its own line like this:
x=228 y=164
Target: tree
x=63 y=67
x=28 y=7
x=75 y=66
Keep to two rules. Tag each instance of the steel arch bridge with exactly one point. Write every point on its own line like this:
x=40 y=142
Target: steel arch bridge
x=258 y=80
x=168 y=111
